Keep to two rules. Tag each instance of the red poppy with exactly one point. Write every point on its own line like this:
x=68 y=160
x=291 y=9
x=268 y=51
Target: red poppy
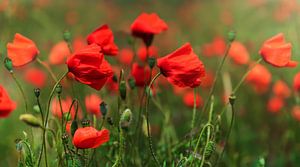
x=36 y=77
x=188 y=99
x=142 y=52
x=297 y=82
x=6 y=104
x=182 y=67
x=65 y=105
x=216 y=48
x=68 y=127
x=92 y=103
x=281 y=89
x=260 y=78
x=277 y=52
x=59 y=53
x=145 y=26
x=296 y=112
x=78 y=43
x=239 y=53
x=275 y=104
x=89 y=66
x=207 y=80
x=141 y=74
x=90 y=137
x=22 y=50
x=103 y=37
x=126 y=56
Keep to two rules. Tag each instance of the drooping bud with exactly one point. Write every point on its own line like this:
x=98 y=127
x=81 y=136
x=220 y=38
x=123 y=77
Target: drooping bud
x=232 y=99
x=131 y=83
x=8 y=64
x=231 y=36
x=58 y=89
x=31 y=120
x=122 y=89
x=126 y=119
x=36 y=108
x=67 y=36
x=103 y=108
x=151 y=62
x=74 y=127
x=85 y=123
x=37 y=92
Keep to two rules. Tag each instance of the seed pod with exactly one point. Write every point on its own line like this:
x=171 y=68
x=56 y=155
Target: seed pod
x=74 y=127
x=58 y=89
x=231 y=36
x=30 y=120
x=122 y=89
x=37 y=92
x=8 y=64
x=67 y=36
x=103 y=108
x=151 y=62
x=125 y=119
x=232 y=99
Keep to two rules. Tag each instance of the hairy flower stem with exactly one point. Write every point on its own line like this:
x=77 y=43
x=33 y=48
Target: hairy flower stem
x=147 y=119
x=21 y=90
x=46 y=66
x=194 y=109
x=47 y=117
x=62 y=113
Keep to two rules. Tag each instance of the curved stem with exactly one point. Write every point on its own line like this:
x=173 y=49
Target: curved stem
x=21 y=90
x=147 y=119
x=46 y=66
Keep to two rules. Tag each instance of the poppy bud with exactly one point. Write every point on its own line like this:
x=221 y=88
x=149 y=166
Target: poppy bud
x=36 y=108
x=103 y=108
x=67 y=36
x=30 y=120
x=122 y=89
x=151 y=62
x=85 y=123
x=37 y=92
x=58 y=89
x=125 y=119
x=131 y=83
x=50 y=139
x=8 y=64
x=74 y=127
x=232 y=99
x=115 y=78
x=231 y=36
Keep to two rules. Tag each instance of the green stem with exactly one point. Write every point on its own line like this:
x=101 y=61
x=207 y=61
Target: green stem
x=194 y=109
x=46 y=66
x=21 y=90
x=147 y=119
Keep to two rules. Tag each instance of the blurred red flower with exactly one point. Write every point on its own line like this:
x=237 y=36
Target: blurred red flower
x=59 y=53
x=142 y=52
x=275 y=104
x=89 y=66
x=281 y=89
x=145 y=26
x=182 y=67
x=65 y=105
x=90 y=137
x=141 y=74
x=297 y=82
x=239 y=53
x=188 y=99
x=277 y=52
x=260 y=78
x=216 y=48
x=207 y=80
x=68 y=127
x=6 y=104
x=126 y=56
x=92 y=103
x=103 y=37
x=296 y=112
x=22 y=50
x=36 y=77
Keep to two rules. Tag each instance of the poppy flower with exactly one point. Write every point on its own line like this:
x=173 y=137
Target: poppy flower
x=239 y=53
x=260 y=78
x=281 y=89
x=142 y=52
x=296 y=112
x=65 y=105
x=59 y=53
x=78 y=43
x=103 y=37
x=89 y=66
x=36 y=77
x=141 y=74
x=92 y=103
x=275 y=104
x=146 y=25
x=6 y=104
x=297 y=82
x=188 y=99
x=126 y=56
x=90 y=137
x=182 y=67
x=216 y=48
x=277 y=52
x=22 y=50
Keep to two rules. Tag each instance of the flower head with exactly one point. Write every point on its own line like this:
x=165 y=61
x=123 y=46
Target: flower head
x=89 y=137
x=6 y=104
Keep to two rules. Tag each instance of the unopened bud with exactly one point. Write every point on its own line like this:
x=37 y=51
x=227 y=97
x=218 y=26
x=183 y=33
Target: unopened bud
x=8 y=64
x=36 y=108
x=58 y=89
x=103 y=108
x=131 y=83
x=31 y=120
x=231 y=36
x=85 y=123
x=67 y=36
x=74 y=127
x=122 y=89
x=37 y=92
x=151 y=62
x=125 y=119
x=232 y=99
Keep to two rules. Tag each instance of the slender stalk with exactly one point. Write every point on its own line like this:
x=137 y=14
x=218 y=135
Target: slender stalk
x=21 y=90
x=62 y=113
x=194 y=109
x=46 y=66
x=147 y=119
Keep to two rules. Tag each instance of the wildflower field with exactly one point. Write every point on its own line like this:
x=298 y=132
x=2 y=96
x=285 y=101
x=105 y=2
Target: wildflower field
x=204 y=83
